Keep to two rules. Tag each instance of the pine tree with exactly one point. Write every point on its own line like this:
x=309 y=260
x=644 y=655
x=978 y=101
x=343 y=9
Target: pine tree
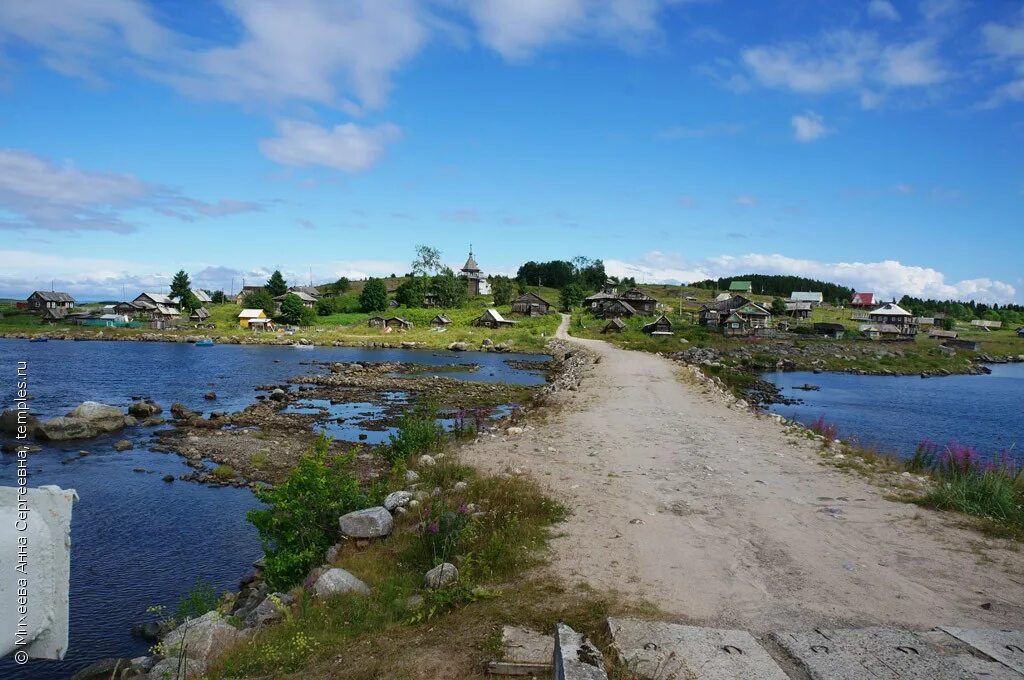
x=180 y=285
x=276 y=285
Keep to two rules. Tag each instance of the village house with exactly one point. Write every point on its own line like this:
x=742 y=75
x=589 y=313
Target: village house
x=492 y=319
x=615 y=325
x=608 y=303
x=880 y=331
x=255 y=319
x=741 y=287
x=471 y=273
x=985 y=324
x=814 y=298
x=129 y=309
x=940 y=333
x=163 y=316
x=891 y=314
x=376 y=321
x=308 y=301
x=863 y=300
x=799 y=310
x=714 y=314
x=52 y=315
x=746 y=319
x=595 y=303
x=397 y=323
x=311 y=291
x=440 y=321
x=199 y=315
x=201 y=295
x=530 y=304
x=246 y=290
x=150 y=301
x=661 y=326
x=643 y=303
x=959 y=343
x=831 y=330
x=43 y=299
x=616 y=308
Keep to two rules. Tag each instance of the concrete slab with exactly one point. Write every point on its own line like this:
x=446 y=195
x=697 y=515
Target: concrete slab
x=870 y=654
x=658 y=650
x=525 y=645
x=1005 y=646
x=575 y=656
x=985 y=669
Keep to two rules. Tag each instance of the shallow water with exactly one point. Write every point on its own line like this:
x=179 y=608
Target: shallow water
x=138 y=541
x=894 y=413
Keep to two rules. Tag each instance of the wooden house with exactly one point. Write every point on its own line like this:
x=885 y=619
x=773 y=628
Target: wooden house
x=128 y=309
x=661 y=326
x=863 y=300
x=942 y=333
x=52 y=315
x=308 y=301
x=891 y=314
x=199 y=315
x=45 y=299
x=151 y=301
x=715 y=313
x=814 y=298
x=492 y=319
x=746 y=319
x=596 y=302
x=397 y=323
x=530 y=304
x=615 y=325
x=616 y=308
x=252 y=318
x=246 y=290
x=440 y=321
x=832 y=330
x=880 y=331
x=202 y=296
x=741 y=287
x=799 y=310
x=960 y=343
x=643 y=303
x=376 y=321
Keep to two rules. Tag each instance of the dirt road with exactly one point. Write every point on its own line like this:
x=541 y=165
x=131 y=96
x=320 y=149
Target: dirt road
x=719 y=517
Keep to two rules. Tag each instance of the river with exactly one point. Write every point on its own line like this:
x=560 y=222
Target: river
x=893 y=414
x=138 y=541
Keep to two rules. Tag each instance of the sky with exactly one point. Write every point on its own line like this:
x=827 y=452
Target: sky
x=877 y=144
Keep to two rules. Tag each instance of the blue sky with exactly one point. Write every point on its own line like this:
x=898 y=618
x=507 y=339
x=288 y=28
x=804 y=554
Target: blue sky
x=874 y=143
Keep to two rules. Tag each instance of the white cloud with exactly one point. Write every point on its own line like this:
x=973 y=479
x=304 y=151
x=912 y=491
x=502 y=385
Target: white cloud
x=912 y=64
x=888 y=278
x=348 y=147
x=1006 y=43
x=808 y=127
x=883 y=9
x=39 y=194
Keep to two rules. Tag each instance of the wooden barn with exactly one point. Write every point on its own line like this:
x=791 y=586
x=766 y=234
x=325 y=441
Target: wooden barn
x=492 y=319
x=616 y=308
x=643 y=303
x=397 y=323
x=615 y=325
x=530 y=304
x=832 y=330
x=440 y=321
x=659 y=327
x=376 y=321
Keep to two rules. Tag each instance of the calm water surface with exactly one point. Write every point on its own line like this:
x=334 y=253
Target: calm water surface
x=895 y=413
x=138 y=541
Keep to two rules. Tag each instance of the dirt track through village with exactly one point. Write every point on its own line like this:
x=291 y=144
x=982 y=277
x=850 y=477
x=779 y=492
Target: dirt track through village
x=717 y=516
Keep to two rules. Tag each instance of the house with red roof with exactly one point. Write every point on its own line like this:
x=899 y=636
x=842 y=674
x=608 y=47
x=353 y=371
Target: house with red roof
x=863 y=300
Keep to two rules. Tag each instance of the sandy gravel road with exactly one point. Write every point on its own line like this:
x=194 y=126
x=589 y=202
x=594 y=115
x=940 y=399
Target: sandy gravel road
x=717 y=516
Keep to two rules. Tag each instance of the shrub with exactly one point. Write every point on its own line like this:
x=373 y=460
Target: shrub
x=374 y=297
x=418 y=432
x=301 y=519
x=224 y=472
x=198 y=600
x=827 y=430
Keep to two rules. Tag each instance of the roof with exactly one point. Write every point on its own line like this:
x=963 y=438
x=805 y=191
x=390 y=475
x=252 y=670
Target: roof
x=251 y=314
x=878 y=328
x=312 y=291
x=863 y=299
x=201 y=295
x=890 y=309
x=527 y=297
x=741 y=285
x=494 y=314
x=201 y=313
x=52 y=296
x=166 y=310
x=824 y=326
x=722 y=297
x=940 y=333
x=441 y=318
x=399 y=319
x=158 y=298
x=54 y=313
x=807 y=297
x=471 y=265
x=635 y=294
x=798 y=306
x=753 y=308
x=656 y=322
x=600 y=296
x=622 y=304
x=302 y=295
x=617 y=322
x=727 y=305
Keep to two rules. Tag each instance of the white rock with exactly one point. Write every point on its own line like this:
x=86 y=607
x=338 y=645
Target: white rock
x=338 y=581
x=412 y=476
x=460 y=486
x=426 y=461
x=204 y=639
x=514 y=431
x=440 y=576
x=369 y=523
x=397 y=499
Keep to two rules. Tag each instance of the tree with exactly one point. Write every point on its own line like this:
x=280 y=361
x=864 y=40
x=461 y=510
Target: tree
x=410 y=293
x=276 y=284
x=571 y=296
x=428 y=260
x=451 y=290
x=292 y=309
x=218 y=297
x=503 y=288
x=260 y=299
x=778 y=307
x=180 y=285
x=340 y=286
x=374 y=297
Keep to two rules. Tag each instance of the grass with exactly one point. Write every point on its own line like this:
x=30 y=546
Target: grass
x=224 y=472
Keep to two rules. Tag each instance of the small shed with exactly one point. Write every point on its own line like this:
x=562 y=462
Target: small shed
x=53 y=315
x=958 y=343
x=942 y=333
x=880 y=331
x=615 y=325
x=660 y=326
x=530 y=304
x=832 y=330
x=251 y=318
x=376 y=321
x=492 y=319
x=397 y=323
x=200 y=314
x=440 y=320
x=799 y=310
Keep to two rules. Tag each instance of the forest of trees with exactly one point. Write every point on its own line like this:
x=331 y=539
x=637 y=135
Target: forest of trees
x=781 y=285
x=582 y=271
x=963 y=311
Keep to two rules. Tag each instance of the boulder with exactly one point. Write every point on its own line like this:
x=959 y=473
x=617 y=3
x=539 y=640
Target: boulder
x=9 y=421
x=210 y=396
x=426 y=461
x=123 y=445
x=179 y=669
x=458 y=347
x=153 y=421
x=144 y=409
x=278 y=394
x=397 y=499
x=182 y=412
x=103 y=669
x=369 y=523
x=89 y=419
x=202 y=639
x=271 y=610
x=338 y=581
x=441 y=576
x=411 y=476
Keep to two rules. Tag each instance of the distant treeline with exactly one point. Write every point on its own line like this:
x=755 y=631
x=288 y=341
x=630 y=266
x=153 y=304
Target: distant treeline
x=782 y=286
x=582 y=271
x=955 y=309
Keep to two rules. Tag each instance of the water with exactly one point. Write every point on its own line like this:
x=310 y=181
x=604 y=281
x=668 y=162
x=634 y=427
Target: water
x=894 y=413
x=138 y=541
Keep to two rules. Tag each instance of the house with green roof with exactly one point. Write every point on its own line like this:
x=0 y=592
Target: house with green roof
x=741 y=287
